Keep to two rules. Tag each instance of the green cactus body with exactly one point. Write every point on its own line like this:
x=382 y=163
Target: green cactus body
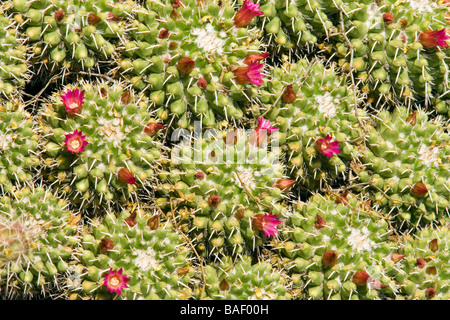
x=13 y=60
x=71 y=35
x=387 y=54
x=308 y=101
x=19 y=144
x=37 y=237
x=153 y=256
x=186 y=57
x=243 y=280
x=326 y=242
x=219 y=188
x=406 y=163
x=424 y=270
x=114 y=122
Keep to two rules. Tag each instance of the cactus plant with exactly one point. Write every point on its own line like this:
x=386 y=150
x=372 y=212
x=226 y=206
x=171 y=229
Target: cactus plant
x=243 y=280
x=202 y=189
x=150 y=256
x=405 y=162
x=38 y=235
x=191 y=58
x=19 y=146
x=101 y=143
x=308 y=102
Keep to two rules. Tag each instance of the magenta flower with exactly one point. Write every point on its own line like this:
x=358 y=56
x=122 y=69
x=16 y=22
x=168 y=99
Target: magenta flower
x=73 y=101
x=326 y=147
x=259 y=136
x=245 y=15
x=115 y=281
x=75 y=142
x=249 y=74
x=126 y=176
x=434 y=38
x=267 y=223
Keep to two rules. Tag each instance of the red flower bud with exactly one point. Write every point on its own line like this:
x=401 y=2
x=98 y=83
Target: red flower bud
x=152 y=128
x=93 y=19
x=105 y=245
x=185 y=65
x=131 y=220
x=59 y=15
x=201 y=83
x=430 y=293
x=126 y=176
x=419 y=190
x=199 y=175
x=396 y=257
x=420 y=263
x=289 y=95
x=284 y=184
x=433 y=245
x=163 y=34
x=388 y=18
x=320 y=222
x=255 y=58
x=224 y=285
x=360 y=277
x=214 y=200
x=329 y=258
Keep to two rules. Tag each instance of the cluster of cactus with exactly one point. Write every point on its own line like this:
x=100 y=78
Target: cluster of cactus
x=184 y=149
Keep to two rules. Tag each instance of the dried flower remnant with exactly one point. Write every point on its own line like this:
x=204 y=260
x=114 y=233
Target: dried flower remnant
x=185 y=65
x=419 y=190
x=153 y=128
x=284 y=184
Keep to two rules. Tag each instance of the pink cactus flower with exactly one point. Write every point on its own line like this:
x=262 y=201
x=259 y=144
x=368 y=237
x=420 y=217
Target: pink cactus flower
x=73 y=101
x=267 y=223
x=434 y=38
x=245 y=15
x=126 y=176
x=75 y=142
x=259 y=136
x=115 y=281
x=327 y=147
x=249 y=74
